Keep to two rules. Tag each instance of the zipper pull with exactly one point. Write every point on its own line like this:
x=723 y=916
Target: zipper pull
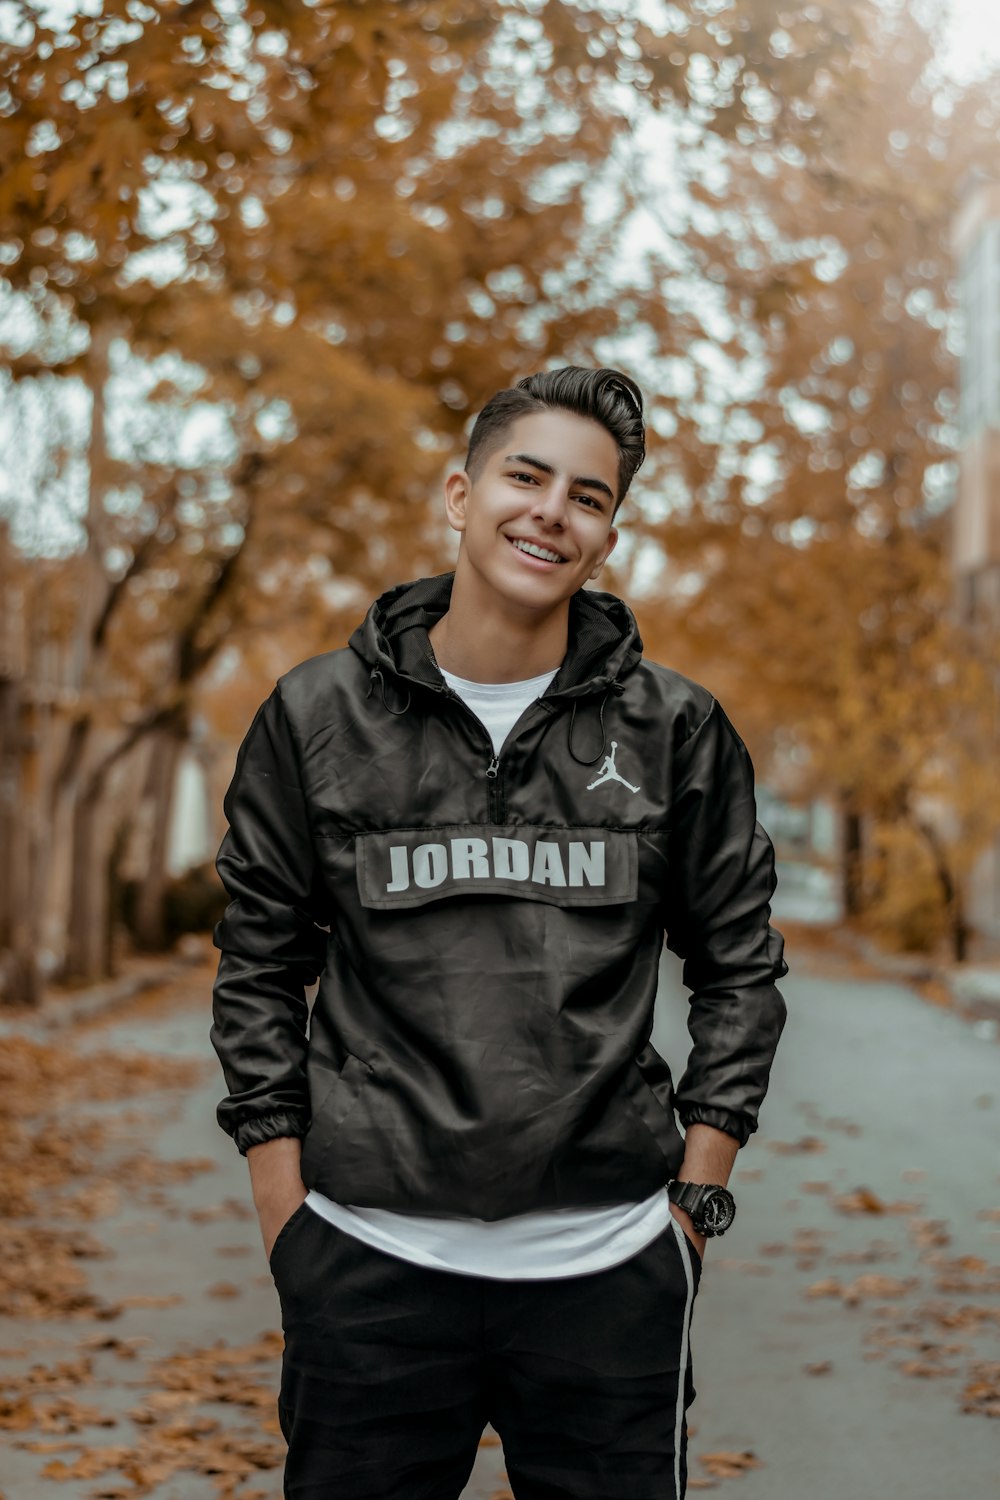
x=491 y=769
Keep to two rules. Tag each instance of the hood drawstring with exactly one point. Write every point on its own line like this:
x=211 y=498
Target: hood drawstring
x=377 y=672
x=616 y=687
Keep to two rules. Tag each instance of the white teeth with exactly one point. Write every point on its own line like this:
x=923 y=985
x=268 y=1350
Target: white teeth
x=538 y=551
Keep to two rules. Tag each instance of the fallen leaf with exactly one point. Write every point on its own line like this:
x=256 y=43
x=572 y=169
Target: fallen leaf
x=124 y=1348
x=927 y=1232
x=805 y=1145
x=830 y=1287
x=141 y=1300
x=870 y=1284
x=229 y=1208
x=862 y=1200
x=729 y=1465
x=981 y=1395
x=878 y=1250
x=926 y=1369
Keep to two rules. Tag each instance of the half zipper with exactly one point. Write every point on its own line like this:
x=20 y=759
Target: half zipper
x=496 y=811
x=494 y=798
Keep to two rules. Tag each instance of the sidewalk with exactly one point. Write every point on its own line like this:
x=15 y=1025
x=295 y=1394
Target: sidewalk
x=808 y=911
x=970 y=989
x=63 y=1007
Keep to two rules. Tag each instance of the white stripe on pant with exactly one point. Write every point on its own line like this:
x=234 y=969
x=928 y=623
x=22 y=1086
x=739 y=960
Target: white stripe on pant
x=685 y=1328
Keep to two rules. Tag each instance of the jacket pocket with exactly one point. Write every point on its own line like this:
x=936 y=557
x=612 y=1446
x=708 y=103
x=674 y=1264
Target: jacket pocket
x=334 y=1099
x=657 y=1077
x=650 y=1089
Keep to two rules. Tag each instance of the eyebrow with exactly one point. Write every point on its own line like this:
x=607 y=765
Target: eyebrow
x=537 y=463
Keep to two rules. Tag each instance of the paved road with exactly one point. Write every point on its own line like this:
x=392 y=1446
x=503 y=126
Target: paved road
x=873 y=1088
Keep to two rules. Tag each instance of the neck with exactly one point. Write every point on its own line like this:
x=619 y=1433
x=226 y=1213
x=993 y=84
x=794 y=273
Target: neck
x=485 y=640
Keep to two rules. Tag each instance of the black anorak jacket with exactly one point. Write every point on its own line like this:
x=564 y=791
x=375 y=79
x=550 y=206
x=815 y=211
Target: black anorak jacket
x=486 y=929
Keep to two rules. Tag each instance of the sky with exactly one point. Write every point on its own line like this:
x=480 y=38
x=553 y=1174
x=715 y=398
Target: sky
x=975 y=37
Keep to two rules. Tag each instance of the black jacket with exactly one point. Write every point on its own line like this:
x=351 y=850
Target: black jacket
x=479 y=1043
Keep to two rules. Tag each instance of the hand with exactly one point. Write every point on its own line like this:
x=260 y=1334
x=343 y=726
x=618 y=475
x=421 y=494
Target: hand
x=278 y=1189
x=684 y=1220
x=273 y=1216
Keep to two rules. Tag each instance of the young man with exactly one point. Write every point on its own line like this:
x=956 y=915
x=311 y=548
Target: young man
x=475 y=823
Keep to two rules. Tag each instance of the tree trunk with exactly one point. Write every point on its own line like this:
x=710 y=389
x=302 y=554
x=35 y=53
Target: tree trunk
x=86 y=933
x=86 y=936
x=150 y=913
x=20 y=975
x=851 y=852
x=958 y=927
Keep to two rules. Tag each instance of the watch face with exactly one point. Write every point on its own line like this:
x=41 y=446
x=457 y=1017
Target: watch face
x=718 y=1211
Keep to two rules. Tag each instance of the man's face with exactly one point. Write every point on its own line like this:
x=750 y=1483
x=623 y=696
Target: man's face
x=552 y=480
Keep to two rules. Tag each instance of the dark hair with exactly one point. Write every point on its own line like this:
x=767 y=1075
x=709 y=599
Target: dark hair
x=606 y=396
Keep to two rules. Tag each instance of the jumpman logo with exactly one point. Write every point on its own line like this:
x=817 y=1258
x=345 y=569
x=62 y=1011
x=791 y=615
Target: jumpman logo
x=608 y=772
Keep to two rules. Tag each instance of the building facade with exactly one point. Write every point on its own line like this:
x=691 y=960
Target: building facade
x=976 y=534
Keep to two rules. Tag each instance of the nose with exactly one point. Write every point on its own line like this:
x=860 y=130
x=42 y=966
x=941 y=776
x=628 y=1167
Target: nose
x=550 y=502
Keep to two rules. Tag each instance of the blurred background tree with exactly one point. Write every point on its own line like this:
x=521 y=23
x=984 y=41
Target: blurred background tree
x=820 y=544
x=284 y=252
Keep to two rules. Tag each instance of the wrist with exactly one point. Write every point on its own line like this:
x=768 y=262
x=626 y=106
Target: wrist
x=709 y=1155
x=275 y=1171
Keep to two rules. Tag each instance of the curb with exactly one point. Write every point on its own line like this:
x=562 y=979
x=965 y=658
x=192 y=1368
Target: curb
x=98 y=1000
x=974 y=990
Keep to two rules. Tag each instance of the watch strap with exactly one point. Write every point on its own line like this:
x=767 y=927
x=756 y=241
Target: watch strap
x=698 y=1199
x=687 y=1195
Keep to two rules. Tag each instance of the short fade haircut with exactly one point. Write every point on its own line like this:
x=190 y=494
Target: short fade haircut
x=606 y=396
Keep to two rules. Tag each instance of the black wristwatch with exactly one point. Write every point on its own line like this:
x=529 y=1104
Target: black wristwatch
x=711 y=1206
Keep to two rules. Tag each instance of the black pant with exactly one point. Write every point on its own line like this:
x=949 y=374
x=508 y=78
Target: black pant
x=391 y=1371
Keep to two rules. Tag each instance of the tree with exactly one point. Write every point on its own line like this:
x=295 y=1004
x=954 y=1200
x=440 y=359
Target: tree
x=808 y=564
x=354 y=220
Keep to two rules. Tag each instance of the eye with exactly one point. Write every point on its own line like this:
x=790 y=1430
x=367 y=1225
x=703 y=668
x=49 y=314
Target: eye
x=533 y=479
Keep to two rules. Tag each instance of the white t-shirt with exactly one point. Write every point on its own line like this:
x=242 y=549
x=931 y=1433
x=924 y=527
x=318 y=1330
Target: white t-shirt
x=552 y=1242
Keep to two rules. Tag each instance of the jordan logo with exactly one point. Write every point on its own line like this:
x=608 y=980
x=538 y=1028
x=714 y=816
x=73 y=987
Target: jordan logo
x=608 y=772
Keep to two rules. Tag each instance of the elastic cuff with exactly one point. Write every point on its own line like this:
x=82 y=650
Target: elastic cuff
x=269 y=1128
x=722 y=1119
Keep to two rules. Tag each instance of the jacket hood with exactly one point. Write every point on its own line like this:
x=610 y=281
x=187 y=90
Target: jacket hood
x=604 y=647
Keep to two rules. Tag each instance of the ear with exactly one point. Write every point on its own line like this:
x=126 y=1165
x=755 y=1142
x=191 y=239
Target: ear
x=606 y=551
x=457 y=488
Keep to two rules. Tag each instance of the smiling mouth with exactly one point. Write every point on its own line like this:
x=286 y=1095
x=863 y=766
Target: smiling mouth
x=553 y=561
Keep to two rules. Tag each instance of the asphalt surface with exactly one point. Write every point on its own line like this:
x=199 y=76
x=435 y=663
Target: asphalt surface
x=873 y=1089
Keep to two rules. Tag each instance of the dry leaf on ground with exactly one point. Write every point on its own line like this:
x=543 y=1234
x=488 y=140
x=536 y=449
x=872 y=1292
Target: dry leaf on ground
x=724 y=1465
x=807 y=1144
